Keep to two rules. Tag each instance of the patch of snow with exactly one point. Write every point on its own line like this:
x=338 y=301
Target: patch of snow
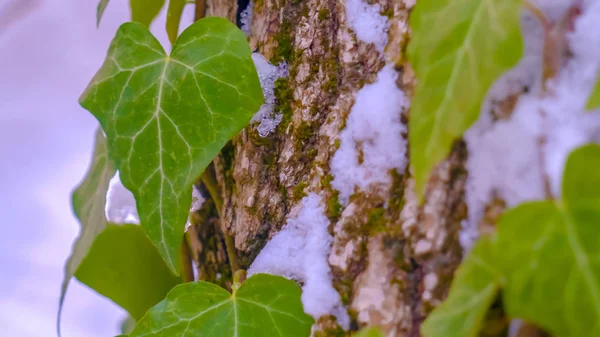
x=120 y=203
x=508 y=157
x=197 y=202
x=268 y=74
x=121 y=207
x=299 y=251
x=373 y=132
x=246 y=19
x=367 y=23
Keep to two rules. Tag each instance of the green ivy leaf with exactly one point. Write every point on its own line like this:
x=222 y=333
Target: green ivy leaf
x=369 y=332
x=88 y=202
x=458 y=49
x=547 y=255
x=145 y=11
x=473 y=290
x=174 y=18
x=100 y=11
x=167 y=117
x=124 y=266
x=551 y=253
x=265 y=305
x=594 y=100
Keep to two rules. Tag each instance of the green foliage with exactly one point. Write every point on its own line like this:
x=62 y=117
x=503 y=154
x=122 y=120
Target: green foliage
x=369 y=332
x=89 y=199
x=174 y=18
x=166 y=117
x=100 y=11
x=265 y=305
x=547 y=260
x=145 y=11
x=124 y=266
x=458 y=49
x=550 y=253
x=594 y=100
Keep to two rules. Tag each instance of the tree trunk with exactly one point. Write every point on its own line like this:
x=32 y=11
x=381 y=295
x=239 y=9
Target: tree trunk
x=392 y=258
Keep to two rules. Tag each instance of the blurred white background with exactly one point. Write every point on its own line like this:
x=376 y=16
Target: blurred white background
x=49 y=51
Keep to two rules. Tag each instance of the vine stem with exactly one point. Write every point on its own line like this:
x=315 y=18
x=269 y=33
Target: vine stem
x=194 y=246
x=200 y=11
x=539 y=15
x=187 y=272
x=210 y=181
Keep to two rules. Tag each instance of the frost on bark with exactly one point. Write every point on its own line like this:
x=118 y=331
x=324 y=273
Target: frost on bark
x=392 y=259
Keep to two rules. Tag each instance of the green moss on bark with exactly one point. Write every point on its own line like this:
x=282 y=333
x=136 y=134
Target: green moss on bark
x=283 y=102
x=285 y=47
x=299 y=191
x=388 y=12
x=228 y=154
x=323 y=14
x=304 y=133
x=334 y=208
x=396 y=201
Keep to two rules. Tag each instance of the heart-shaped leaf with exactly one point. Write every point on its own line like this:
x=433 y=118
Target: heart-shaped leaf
x=265 y=305
x=88 y=202
x=547 y=258
x=166 y=117
x=124 y=266
x=457 y=50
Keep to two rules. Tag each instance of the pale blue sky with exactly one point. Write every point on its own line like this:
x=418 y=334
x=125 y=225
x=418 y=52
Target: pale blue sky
x=49 y=50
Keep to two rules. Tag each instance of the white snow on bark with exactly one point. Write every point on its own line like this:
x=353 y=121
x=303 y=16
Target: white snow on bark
x=197 y=202
x=246 y=19
x=367 y=23
x=374 y=132
x=512 y=158
x=299 y=251
x=268 y=74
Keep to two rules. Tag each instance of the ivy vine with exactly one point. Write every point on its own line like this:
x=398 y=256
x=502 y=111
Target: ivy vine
x=164 y=117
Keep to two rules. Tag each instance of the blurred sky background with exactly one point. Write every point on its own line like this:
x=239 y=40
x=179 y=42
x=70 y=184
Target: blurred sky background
x=49 y=51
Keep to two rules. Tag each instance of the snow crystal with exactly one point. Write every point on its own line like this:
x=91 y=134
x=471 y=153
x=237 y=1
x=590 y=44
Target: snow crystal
x=299 y=251
x=366 y=22
x=268 y=74
x=197 y=202
x=374 y=132
x=246 y=19
x=512 y=158
x=120 y=203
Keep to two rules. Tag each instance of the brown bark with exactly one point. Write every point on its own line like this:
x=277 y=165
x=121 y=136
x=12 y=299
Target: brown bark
x=392 y=259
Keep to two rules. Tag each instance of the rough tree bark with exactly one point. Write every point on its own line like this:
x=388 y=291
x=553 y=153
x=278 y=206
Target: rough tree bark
x=392 y=259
